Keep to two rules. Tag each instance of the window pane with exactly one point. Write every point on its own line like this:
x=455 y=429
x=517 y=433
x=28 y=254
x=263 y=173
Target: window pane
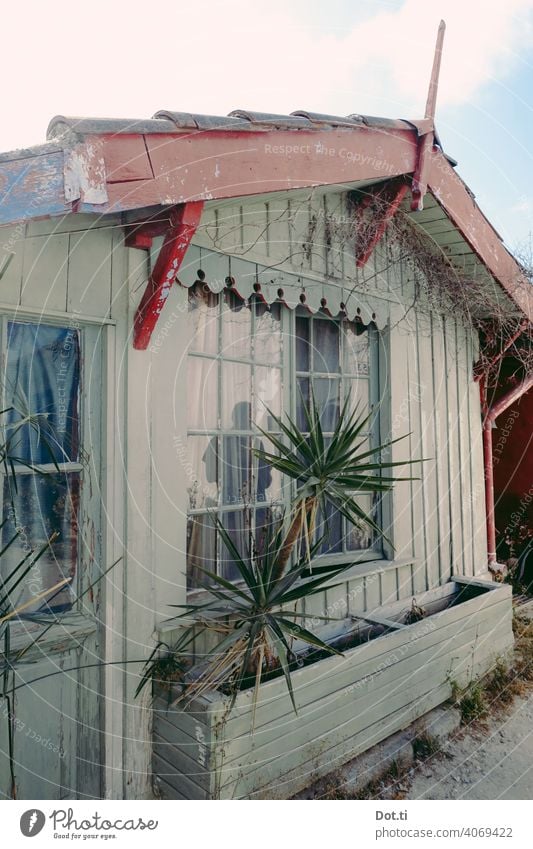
x=202 y=390
x=302 y=343
x=266 y=480
x=201 y=468
x=236 y=327
x=237 y=524
x=325 y=346
x=201 y=549
x=359 y=396
x=360 y=538
x=267 y=396
x=330 y=528
x=266 y=523
x=203 y=314
x=40 y=506
x=43 y=377
x=356 y=350
x=236 y=469
x=327 y=399
x=236 y=396
x=267 y=336
x=302 y=401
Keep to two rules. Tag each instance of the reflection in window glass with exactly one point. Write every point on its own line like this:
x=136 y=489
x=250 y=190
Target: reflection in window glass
x=203 y=315
x=326 y=338
x=267 y=333
x=202 y=390
x=303 y=359
x=202 y=470
x=238 y=525
x=38 y=507
x=267 y=396
x=253 y=378
x=43 y=372
x=327 y=397
x=42 y=378
x=356 y=349
x=201 y=547
x=236 y=396
x=236 y=327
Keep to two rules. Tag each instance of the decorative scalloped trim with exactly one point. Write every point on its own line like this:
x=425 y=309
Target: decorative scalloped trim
x=220 y=271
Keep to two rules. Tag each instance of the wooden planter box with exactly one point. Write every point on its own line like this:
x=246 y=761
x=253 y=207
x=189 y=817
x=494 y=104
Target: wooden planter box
x=345 y=704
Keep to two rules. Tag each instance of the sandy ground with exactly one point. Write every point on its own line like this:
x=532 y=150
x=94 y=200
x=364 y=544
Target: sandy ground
x=490 y=761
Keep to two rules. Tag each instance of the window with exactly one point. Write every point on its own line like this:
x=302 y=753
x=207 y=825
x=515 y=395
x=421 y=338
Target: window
x=246 y=358
x=42 y=376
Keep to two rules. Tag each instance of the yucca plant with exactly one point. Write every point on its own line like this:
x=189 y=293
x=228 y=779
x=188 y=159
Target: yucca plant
x=257 y=630
x=328 y=470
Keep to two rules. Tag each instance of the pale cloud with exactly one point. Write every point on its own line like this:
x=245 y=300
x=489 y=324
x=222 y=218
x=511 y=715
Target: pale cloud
x=126 y=60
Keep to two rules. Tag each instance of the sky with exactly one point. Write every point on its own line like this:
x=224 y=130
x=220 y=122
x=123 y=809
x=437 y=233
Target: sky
x=119 y=59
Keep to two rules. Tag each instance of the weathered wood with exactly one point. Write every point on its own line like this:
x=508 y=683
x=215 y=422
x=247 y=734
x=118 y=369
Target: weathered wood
x=89 y=272
x=427 y=450
x=286 y=753
x=11 y=262
x=309 y=688
x=184 y=220
x=45 y=268
x=365 y=696
x=32 y=186
x=345 y=704
x=179 y=759
x=464 y=377
x=169 y=773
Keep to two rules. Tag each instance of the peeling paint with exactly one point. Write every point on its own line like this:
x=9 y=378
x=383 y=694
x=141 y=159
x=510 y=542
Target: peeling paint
x=85 y=175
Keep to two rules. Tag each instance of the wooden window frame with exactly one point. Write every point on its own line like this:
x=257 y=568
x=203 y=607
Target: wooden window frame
x=78 y=622
x=288 y=379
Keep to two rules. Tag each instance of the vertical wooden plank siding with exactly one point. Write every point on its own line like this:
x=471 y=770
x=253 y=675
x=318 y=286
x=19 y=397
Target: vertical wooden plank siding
x=428 y=449
x=417 y=405
x=11 y=263
x=441 y=424
x=397 y=385
x=479 y=538
x=89 y=278
x=464 y=371
x=462 y=448
x=58 y=267
x=453 y=449
x=45 y=272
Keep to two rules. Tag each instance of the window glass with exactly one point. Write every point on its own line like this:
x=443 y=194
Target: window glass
x=267 y=333
x=202 y=391
x=302 y=331
x=39 y=506
x=42 y=379
x=203 y=315
x=236 y=396
x=326 y=340
x=236 y=327
x=356 y=349
x=202 y=471
x=327 y=397
x=259 y=377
